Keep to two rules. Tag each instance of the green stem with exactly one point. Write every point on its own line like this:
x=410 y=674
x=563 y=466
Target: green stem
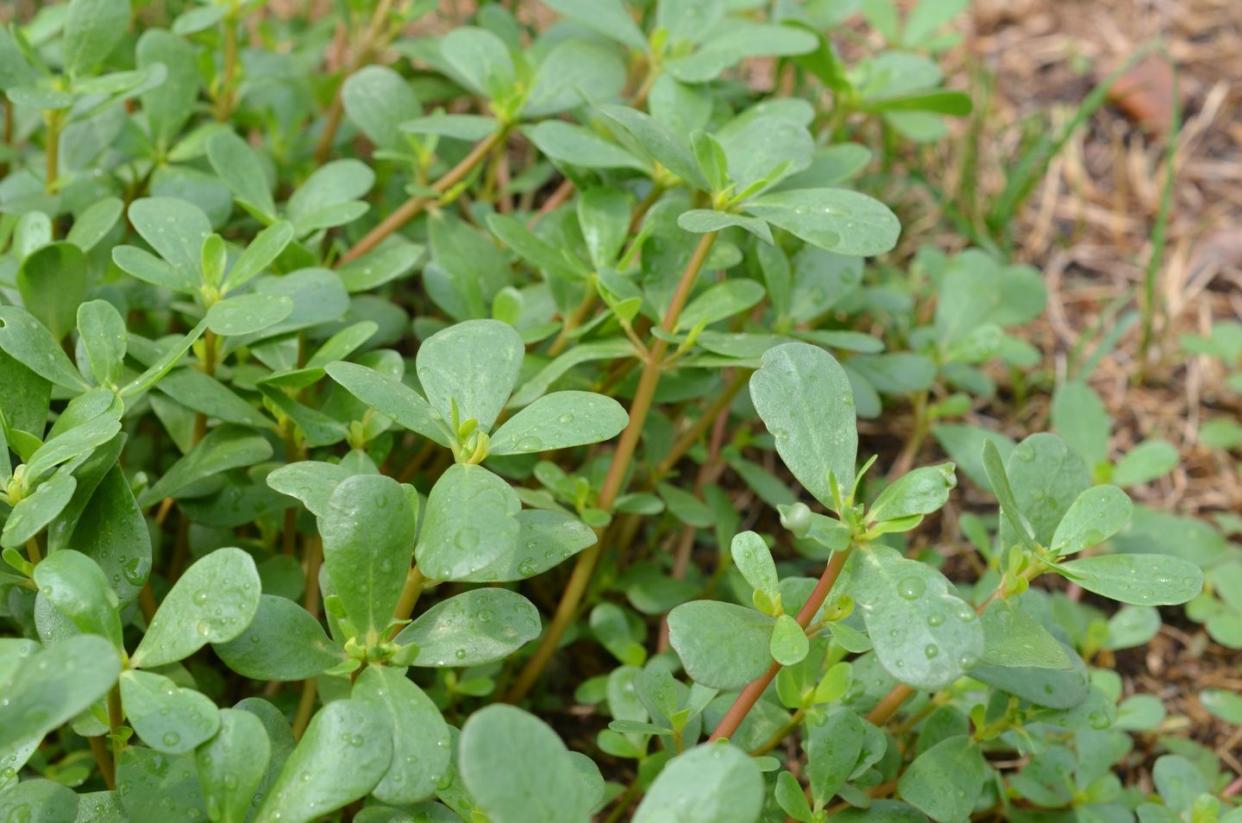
x=306 y=707
x=410 y=592
x=33 y=553
x=53 y=120
x=116 y=716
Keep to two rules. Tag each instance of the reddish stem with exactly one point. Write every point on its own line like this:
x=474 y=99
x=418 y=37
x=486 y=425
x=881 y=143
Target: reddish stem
x=750 y=695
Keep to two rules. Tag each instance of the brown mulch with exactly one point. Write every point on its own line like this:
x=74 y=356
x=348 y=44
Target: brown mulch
x=1088 y=227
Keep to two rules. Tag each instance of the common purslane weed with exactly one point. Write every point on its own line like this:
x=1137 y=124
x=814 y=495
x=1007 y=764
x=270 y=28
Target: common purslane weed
x=473 y=434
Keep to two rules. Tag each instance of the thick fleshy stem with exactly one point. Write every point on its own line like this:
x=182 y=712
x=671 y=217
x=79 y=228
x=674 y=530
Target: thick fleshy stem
x=750 y=695
x=614 y=481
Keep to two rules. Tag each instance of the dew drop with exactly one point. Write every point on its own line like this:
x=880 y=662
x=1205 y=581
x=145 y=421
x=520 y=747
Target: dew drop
x=911 y=588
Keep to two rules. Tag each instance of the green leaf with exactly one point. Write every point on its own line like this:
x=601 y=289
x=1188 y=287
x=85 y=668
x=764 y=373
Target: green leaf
x=1054 y=688
x=790 y=798
x=924 y=636
x=604 y=218
x=918 y=492
x=29 y=342
x=1179 y=781
x=1046 y=477
x=102 y=332
x=569 y=143
x=378 y=100
x=75 y=442
x=721 y=645
x=1094 y=516
x=93 y=28
x=1015 y=640
x=52 y=283
x=329 y=197
x=169 y=105
x=656 y=141
x=175 y=228
x=480 y=59
x=283 y=642
x=1132 y=626
x=473 y=366
x=224 y=448
x=1137 y=579
x=33 y=513
x=1011 y=512
x=472 y=628
x=754 y=560
x=733 y=41
x=607 y=17
x=171 y=356
x=200 y=392
x=1226 y=705
x=95 y=222
x=309 y=481
x=472 y=127
x=391 y=398
x=155 y=786
x=514 y=234
x=368 y=538
x=937 y=101
x=247 y=314
x=711 y=783
x=702 y=221
x=213 y=601
x=788 y=644
x=79 y=590
x=344 y=754
x=238 y=165
x=545 y=539
x=168 y=719
x=964 y=444
x=518 y=771
x=471 y=523
x=804 y=398
x=262 y=251
x=574 y=72
x=833 y=745
x=39 y=801
x=944 y=782
x=719 y=302
x=559 y=421
x=1079 y=416
x=837 y=220
x=54 y=685
x=112 y=530
x=231 y=765
x=1145 y=462
x=420 y=738
x=150 y=269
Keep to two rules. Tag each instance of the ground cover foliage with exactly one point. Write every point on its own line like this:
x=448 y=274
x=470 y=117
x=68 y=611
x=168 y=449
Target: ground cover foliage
x=473 y=433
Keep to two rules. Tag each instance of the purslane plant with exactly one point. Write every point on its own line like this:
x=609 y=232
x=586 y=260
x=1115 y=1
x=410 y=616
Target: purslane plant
x=416 y=444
